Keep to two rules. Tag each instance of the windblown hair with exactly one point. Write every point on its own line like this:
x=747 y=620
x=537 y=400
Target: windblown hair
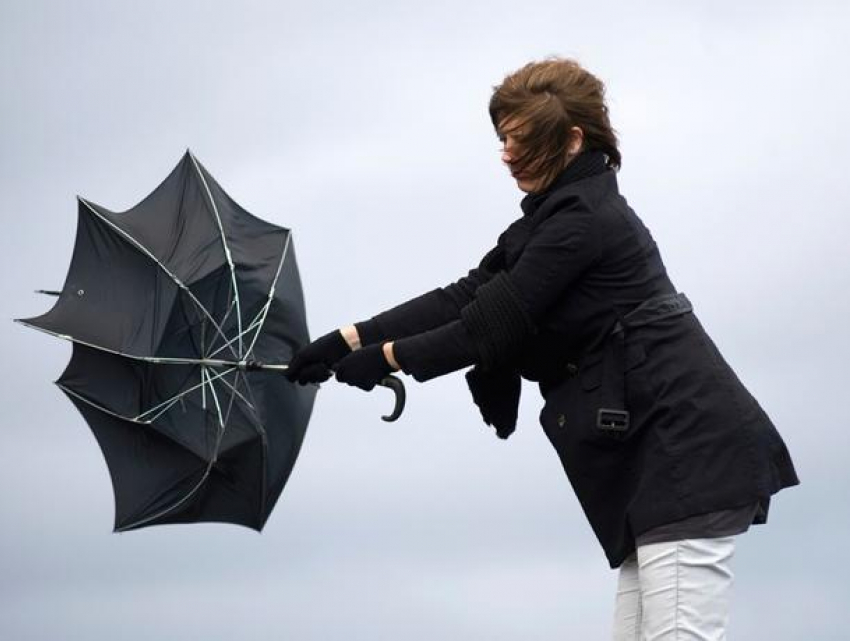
x=543 y=101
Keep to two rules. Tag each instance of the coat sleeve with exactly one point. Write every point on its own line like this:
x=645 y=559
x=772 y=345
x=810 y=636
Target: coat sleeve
x=504 y=312
x=557 y=255
x=430 y=310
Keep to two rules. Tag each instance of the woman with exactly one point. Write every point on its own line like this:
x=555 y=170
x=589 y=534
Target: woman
x=668 y=453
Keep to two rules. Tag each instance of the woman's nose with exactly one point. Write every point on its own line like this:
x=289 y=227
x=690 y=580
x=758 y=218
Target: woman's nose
x=506 y=157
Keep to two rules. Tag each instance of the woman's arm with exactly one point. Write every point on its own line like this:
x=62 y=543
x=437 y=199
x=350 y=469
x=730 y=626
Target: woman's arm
x=430 y=310
x=314 y=362
x=506 y=310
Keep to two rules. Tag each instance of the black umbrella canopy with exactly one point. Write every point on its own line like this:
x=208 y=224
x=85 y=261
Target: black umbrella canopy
x=170 y=305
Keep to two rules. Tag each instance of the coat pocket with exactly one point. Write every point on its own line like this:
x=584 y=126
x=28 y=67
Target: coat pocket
x=592 y=407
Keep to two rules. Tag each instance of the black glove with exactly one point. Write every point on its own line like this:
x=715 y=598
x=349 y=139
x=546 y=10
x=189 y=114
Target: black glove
x=364 y=368
x=312 y=363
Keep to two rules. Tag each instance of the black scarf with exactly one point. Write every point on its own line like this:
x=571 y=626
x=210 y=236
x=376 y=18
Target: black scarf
x=515 y=237
x=496 y=392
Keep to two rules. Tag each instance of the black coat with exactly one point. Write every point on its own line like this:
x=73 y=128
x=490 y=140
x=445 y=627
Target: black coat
x=685 y=436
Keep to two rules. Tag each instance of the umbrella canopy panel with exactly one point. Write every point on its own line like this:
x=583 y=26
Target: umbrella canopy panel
x=153 y=297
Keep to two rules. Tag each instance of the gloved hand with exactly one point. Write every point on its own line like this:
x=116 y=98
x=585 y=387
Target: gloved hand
x=312 y=363
x=364 y=368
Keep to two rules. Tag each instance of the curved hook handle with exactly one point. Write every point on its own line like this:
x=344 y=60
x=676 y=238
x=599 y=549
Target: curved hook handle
x=397 y=386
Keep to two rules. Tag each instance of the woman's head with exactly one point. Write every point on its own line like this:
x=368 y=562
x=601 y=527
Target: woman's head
x=545 y=114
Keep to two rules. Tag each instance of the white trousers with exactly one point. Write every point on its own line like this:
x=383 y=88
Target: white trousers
x=677 y=591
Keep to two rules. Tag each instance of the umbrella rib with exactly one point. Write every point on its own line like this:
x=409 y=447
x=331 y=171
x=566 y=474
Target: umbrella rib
x=260 y=428
x=230 y=402
x=203 y=369
x=176 y=504
x=240 y=395
x=245 y=331
x=161 y=265
x=171 y=401
x=71 y=392
x=223 y=321
x=265 y=443
x=250 y=391
x=268 y=304
x=189 y=324
x=218 y=411
x=225 y=246
x=138 y=419
x=203 y=478
x=158 y=360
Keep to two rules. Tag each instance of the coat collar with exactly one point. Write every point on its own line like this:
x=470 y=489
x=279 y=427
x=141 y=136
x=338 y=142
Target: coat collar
x=586 y=164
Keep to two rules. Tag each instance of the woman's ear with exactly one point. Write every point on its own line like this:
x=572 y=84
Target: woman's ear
x=576 y=141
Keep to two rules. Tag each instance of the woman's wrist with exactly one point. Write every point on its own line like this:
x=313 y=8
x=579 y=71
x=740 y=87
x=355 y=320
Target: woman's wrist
x=390 y=355
x=349 y=333
x=352 y=337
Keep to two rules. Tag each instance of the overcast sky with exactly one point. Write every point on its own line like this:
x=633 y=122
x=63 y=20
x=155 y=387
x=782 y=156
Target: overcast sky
x=363 y=127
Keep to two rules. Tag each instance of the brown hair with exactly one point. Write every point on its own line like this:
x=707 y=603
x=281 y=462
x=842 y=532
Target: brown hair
x=544 y=100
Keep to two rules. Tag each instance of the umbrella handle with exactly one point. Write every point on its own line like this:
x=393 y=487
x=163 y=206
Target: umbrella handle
x=397 y=386
x=392 y=382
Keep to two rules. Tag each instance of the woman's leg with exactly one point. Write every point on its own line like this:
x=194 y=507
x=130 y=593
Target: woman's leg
x=685 y=589
x=627 y=608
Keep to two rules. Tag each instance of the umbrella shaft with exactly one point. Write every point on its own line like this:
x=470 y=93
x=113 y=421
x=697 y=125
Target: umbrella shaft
x=245 y=366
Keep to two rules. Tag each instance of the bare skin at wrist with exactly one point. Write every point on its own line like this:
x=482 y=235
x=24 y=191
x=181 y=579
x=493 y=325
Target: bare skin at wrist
x=349 y=333
x=390 y=355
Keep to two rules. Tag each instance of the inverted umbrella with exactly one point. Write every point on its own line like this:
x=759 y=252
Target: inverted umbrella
x=175 y=309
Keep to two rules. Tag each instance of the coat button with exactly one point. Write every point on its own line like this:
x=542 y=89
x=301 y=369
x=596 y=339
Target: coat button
x=572 y=369
x=561 y=420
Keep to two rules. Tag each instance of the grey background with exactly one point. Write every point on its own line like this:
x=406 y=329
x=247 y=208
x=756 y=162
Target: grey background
x=363 y=126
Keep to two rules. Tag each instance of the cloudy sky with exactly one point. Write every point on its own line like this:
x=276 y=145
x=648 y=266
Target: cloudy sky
x=363 y=126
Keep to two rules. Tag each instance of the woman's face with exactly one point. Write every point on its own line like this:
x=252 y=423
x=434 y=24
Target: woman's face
x=528 y=179
x=511 y=153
